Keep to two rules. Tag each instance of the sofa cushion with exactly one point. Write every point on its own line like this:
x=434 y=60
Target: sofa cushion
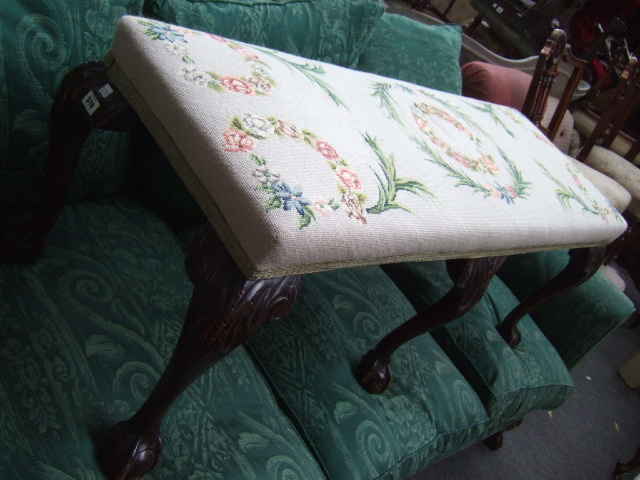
x=40 y=42
x=333 y=31
x=406 y=49
x=510 y=381
x=621 y=170
x=585 y=123
x=86 y=332
x=576 y=321
x=304 y=166
x=429 y=411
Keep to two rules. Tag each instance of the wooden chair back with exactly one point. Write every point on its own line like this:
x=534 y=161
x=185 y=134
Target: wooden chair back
x=554 y=51
x=621 y=103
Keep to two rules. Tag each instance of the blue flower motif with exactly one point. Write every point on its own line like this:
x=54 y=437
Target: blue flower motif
x=165 y=32
x=404 y=88
x=291 y=197
x=505 y=194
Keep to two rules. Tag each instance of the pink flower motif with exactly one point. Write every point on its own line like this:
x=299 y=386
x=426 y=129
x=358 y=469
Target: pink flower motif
x=322 y=207
x=260 y=84
x=424 y=126
x=349 y=179
x=464 y=161
x=465 y=130
x=576 y=179
x=237 y=141
x=236 y=85
x=248 y=54
x=494 y=193
x=604 y=212
x=326 y=150
x=426 y=108
x=446 y=116
x=439 y=142
x=512 y=191
x=490 y=165
x=220 y=39
x=354 y=207
x=288 y=129
x=539 y=136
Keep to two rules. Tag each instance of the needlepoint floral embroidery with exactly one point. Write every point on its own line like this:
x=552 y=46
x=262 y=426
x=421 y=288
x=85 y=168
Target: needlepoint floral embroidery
x=243 y=133
x=237 y=141
x=258 y=82
x=482 y=163
x=568 y=196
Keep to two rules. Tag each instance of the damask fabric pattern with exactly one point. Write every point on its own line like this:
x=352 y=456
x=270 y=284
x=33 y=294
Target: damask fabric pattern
x=86 y=332
x=334 y=31
x=405 y=49
x=284 y=154
x=40 y=41
x=576 y=321
x=310 y=356
x=510 y=381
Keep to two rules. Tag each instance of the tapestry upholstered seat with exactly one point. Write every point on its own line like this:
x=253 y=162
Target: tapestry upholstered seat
x=303 y=166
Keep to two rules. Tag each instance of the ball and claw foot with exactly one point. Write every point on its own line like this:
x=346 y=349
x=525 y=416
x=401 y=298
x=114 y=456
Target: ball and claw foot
x=374 y=374
x=495 y=441
x=125 y=453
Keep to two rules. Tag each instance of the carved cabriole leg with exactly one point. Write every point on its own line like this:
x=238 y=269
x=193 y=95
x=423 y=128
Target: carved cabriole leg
x=624 y=467
x=471 y=278
x=495 y=441
x=225 y=310
x=583 y=264
x=69 y=126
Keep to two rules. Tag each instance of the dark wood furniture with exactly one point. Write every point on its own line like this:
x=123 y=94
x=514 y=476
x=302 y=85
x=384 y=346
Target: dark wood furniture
x=609 y=120
x=225 y=306
x=625 y=467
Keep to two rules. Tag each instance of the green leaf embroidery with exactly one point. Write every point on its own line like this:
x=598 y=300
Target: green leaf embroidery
x=260 y=161
x=307 y=218
x=311 y=71
x=381 y=90
x=390 y=185
x=490 y=109
x=565 y=195
x=273 y=203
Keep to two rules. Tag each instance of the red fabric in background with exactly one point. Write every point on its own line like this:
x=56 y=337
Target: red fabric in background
x=494 y=83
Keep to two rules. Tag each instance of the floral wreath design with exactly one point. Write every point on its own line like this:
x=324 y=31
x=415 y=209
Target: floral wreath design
x=258 y=82
x=242 y=135
x=484 y=164
x=566 y=194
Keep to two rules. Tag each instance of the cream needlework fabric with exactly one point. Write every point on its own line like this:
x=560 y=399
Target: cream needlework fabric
x=304 y=166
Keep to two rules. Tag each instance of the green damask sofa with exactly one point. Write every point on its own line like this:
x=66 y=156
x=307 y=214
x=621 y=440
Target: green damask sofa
x=86 y=330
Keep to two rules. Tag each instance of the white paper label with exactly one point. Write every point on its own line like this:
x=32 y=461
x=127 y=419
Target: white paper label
x=106 y=90
x=90 y=103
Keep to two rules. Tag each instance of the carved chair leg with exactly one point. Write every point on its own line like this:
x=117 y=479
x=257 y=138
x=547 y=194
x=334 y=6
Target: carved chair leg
x=85 y=100
x=471 y=278
x=583 y=264
x=624 y=467
x=225 y=310
x=495 y=441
